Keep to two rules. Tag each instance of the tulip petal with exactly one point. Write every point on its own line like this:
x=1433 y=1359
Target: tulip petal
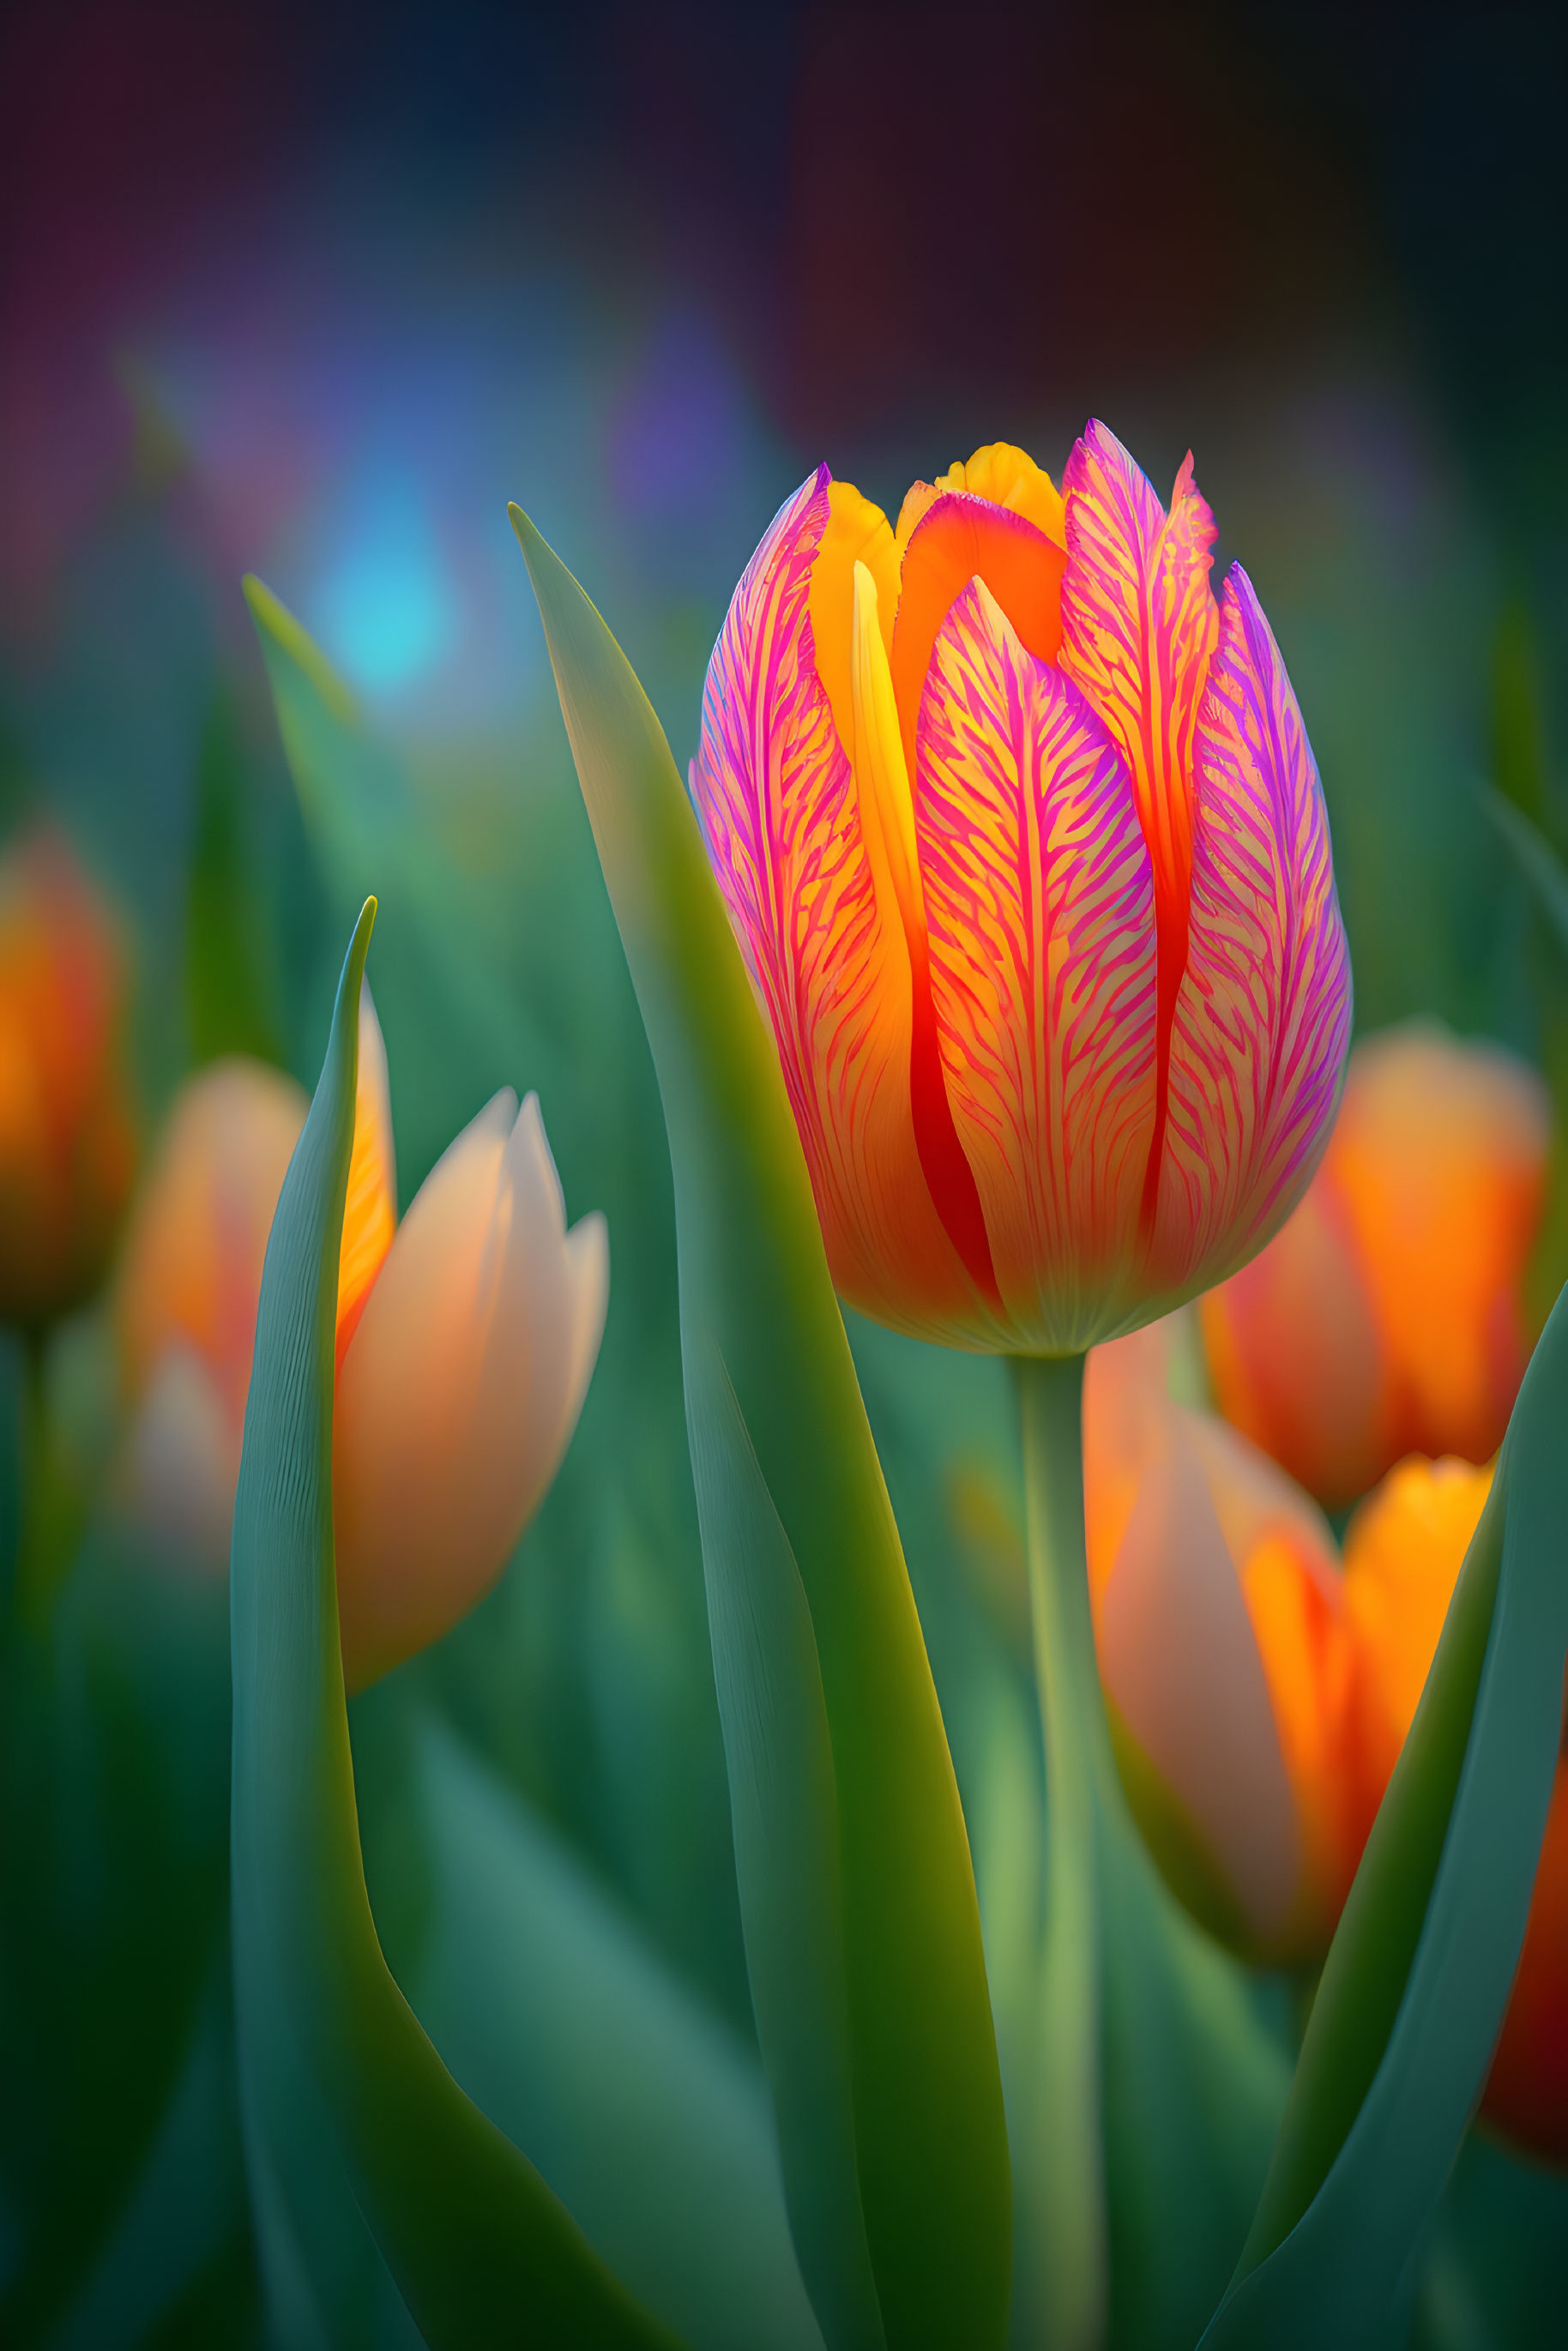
x=369 y=1205
x=1138 y=627
x=1040 y=910
x=462 y=1387
x=1180 y=1660
x=777 y=802
x=1262 y=1020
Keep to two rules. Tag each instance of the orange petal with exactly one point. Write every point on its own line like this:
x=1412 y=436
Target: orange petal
x=960 y=537
x=1403 y=1552
x=1039 y=911
x=1319 y=1403
x=829 y=964
x=1005 y=475
x=1182 y=1665
x=1441 y=1158
x=190 y=1276
x=369 y=1205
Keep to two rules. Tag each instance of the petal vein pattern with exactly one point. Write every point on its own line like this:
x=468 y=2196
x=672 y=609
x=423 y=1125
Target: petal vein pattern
x=1262 y=1020
x=1138 y=629
x=1040 y=905
x=776 y=797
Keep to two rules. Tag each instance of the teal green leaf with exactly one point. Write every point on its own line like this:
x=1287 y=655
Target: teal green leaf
x=1413 y=1993
x=349 y=2110
x=857 y=1894
x=640 y=2108
x=1535 y=857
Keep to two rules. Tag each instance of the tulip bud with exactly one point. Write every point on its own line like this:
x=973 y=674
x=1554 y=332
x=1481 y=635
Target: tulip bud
x=1385 y=1318
x=466 y=1339
x=67 y=1139
x=461 y=1385
x=185 y=1301
x=1223 y=1651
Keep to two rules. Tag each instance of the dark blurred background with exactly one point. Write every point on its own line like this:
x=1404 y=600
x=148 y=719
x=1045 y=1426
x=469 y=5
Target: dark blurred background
x=311 y=292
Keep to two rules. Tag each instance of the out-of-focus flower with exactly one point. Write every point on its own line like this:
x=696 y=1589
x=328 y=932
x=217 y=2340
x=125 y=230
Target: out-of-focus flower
x=1023 y=843
x=67 y=1149
x=1404 y=1550
x=466 y=1339
x=1226 y=1658
x=1385 y=1319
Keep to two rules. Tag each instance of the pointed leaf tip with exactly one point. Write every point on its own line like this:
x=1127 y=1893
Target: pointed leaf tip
x=276 y=624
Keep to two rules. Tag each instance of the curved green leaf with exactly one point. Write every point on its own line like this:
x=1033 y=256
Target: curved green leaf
x=1535 y=857
x=349 y=2110
x=642 y=2110
x=857 y=1894
x=1417 y=1977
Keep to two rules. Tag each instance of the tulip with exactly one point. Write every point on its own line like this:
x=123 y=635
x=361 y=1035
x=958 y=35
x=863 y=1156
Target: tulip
x=1022 y=840
x=466 y=1339
x=1404 y=1550
x=1225 y=1655
x=1386 y=1317
x=67 y=1149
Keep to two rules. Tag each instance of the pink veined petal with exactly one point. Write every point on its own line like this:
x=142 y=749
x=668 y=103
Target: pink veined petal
x=777 y=801
x=1039 y=908
x=1263 y=1021
x=1138 y=628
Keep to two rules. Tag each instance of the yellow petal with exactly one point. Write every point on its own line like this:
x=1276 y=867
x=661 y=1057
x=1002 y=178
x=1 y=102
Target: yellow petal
x=461 y=1386
x=369 y=1204
x=882 y=776
x=856 y=532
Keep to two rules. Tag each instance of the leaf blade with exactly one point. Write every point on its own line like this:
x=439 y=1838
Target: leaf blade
x=479 y=2248
x=1397 y=2052
x=760 y=1321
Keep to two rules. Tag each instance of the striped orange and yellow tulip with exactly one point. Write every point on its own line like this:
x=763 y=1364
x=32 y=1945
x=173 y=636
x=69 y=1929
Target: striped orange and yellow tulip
x=1023 y=843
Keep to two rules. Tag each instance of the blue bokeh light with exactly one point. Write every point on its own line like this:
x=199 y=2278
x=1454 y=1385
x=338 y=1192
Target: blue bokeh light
x=388 y=612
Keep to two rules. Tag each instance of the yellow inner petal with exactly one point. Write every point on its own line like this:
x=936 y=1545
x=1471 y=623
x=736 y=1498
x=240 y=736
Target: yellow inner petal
x=1000 y=472
x=881 y=775
x=857 y=533
x=369 y=1205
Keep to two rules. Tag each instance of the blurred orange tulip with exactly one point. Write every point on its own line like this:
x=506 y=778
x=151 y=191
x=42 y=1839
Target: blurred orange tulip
x=1226 y=1658
x=1385 y=1318
x=467 y=1336
x=1404 y=1550
x=68 y=1150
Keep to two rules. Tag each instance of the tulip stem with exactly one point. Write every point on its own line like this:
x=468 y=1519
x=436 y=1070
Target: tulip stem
x=1065 y=2167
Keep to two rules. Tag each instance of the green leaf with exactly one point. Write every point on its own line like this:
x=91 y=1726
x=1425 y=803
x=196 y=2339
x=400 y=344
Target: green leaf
x=230 y=983
x=1535 y=857
x=349 y=2110
x=857 y=1894
x=641 y=2110
x=1413 y=1993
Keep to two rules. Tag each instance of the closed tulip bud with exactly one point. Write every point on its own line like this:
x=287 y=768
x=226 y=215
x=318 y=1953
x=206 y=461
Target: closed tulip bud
x=1386 y=1317
x=67 y=1149
x=1021 y=837
x=1403 y=1550
x=1225 y=1658
x=466 y=1339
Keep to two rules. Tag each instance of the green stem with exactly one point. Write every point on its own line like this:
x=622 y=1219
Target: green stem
x=1069 y=2250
